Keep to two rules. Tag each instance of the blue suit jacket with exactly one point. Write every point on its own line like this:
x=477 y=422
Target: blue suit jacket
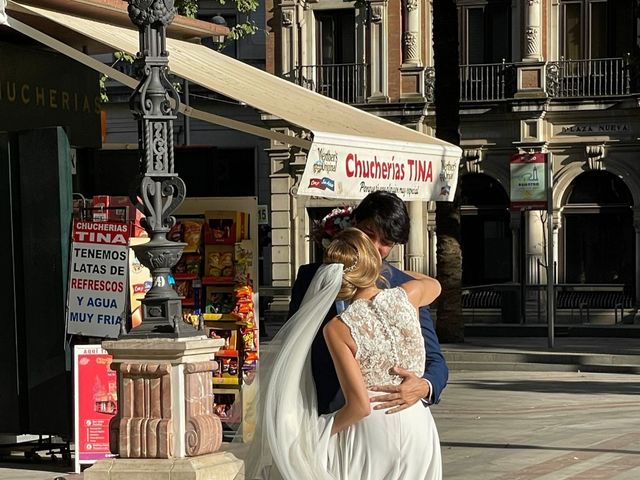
x=330 y=396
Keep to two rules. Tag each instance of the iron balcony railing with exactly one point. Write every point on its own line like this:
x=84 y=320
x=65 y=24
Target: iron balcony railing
x=479 y=83
x=487 y=82
x=345 y=82
x=588 y=78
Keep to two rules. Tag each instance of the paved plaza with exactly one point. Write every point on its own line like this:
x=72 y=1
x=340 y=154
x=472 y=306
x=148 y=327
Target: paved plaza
x=540 y=425
x=518 y=425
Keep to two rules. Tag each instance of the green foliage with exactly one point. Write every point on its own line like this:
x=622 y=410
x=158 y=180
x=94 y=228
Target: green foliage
x=242 y=30
x=189 y=8
x=120 y=57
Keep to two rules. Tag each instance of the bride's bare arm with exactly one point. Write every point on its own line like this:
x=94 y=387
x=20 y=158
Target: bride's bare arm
x=342 y=348
x=423 y=290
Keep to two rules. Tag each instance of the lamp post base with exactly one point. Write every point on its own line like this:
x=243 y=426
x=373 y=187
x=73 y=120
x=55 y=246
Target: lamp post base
x=215 y=466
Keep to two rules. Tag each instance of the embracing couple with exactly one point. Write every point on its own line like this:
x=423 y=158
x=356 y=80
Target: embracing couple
x=346 y=387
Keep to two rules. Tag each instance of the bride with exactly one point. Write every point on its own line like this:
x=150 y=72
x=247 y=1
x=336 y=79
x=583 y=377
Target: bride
x=377 y=331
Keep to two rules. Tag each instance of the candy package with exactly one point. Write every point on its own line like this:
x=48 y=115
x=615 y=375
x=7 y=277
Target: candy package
x=192 y=235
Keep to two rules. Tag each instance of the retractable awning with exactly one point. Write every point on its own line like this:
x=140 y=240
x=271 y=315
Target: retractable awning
x=352 y=152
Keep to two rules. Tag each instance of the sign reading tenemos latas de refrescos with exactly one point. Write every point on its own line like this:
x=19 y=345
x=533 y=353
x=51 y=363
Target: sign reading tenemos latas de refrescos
x=98 y=278
x=347 y=171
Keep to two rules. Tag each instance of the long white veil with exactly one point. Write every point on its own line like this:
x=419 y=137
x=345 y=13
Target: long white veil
x=3 y=15
x=289 y=430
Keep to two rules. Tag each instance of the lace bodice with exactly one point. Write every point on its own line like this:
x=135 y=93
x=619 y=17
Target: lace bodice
x=387 y=333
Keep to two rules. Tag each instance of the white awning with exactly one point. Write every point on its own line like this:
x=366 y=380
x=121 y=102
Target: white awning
x=423 y=167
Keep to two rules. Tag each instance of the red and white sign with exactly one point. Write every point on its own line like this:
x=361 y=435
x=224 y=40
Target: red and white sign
x=346 y=168
x=98 y=278
x=96 y=403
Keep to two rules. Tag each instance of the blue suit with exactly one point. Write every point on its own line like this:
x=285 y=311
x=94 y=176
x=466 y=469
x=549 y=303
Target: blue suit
x=330 y=396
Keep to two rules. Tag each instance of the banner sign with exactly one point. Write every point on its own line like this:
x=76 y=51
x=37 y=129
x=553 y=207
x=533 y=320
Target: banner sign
x=347 y=168
x=98 y=278
x=96 y=403
x=529 y=181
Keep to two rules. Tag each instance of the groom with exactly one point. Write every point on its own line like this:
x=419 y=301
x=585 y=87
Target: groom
x=384 y=218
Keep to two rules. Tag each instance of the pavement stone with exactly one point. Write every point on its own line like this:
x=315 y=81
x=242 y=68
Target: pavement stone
x=518 y=425
x=540 y=425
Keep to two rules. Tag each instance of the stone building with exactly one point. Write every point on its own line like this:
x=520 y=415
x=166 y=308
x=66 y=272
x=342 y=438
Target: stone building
x=552 y=76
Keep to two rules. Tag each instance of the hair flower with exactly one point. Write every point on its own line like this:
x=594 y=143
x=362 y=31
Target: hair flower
x=328 y=227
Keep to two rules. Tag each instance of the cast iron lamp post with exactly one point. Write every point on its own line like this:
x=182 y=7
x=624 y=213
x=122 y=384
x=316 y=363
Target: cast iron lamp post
x=160 y=190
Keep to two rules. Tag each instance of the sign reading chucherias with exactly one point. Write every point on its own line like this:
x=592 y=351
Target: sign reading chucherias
x=40 y=88
x=346 y=167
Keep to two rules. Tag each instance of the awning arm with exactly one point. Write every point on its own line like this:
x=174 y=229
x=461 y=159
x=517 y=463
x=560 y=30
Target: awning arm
x=132 y=83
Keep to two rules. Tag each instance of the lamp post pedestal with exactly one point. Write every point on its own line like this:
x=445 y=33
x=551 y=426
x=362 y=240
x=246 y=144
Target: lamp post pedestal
x=165 y=427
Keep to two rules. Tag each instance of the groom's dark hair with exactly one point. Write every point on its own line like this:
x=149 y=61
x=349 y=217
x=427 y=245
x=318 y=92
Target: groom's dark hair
x=387 y=214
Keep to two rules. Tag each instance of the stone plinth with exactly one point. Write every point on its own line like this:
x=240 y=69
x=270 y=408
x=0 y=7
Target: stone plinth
x=165 y=427
x=217 y=466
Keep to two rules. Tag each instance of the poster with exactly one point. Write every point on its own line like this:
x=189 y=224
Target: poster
x=96 y=403
x=529 y=181
x=342 y=167
x=98 y=278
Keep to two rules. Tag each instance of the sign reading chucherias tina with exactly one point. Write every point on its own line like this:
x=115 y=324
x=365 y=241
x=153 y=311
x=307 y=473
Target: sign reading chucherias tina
x=349 y=168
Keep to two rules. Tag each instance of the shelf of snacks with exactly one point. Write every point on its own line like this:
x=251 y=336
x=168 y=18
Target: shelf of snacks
x=185 y=276
x=217 y=280
x=217 y=272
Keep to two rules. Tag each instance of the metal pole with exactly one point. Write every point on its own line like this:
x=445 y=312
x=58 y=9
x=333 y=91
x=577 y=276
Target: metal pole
x=187 y=118
x=160 y=191
x=550 y=260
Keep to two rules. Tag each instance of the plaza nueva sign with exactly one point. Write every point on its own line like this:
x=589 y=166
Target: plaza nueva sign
x=596 y=129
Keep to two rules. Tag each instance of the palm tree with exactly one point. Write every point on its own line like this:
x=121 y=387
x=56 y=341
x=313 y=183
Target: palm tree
x=450 y=325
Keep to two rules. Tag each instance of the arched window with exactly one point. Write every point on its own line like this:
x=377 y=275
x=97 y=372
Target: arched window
x=599 y=242
x=485 y=233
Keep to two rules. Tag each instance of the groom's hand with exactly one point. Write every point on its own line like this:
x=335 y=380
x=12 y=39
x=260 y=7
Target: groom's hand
x=399 y=397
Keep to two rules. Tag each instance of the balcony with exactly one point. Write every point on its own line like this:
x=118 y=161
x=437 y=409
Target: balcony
x=479 y=83
x=346 y=82
x=487 y=82
x=589 y=78
x=564 y=79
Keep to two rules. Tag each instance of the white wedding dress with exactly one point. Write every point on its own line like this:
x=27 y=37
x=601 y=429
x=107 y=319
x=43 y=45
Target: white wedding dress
x=292 y=442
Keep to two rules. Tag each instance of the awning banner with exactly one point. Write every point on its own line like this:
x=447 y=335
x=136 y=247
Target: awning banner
x=349 y=168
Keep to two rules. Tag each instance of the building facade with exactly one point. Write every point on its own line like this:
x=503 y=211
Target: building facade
x=551 y=76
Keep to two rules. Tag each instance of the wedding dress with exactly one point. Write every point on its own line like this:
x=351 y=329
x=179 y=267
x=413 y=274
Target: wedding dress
x=292 y=442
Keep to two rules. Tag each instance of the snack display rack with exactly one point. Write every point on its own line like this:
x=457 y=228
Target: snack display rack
x=216 y=278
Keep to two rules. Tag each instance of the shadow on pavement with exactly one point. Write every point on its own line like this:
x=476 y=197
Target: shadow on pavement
x=554 y=386
x=535 y=447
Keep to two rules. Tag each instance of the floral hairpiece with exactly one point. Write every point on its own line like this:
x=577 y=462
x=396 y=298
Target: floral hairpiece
x=331 y=224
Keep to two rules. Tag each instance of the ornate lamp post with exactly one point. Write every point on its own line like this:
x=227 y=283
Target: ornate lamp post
x=165 y=425
x=160 y=190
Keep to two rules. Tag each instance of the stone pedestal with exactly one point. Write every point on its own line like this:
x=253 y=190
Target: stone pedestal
x=217 y=466
x=165 y=427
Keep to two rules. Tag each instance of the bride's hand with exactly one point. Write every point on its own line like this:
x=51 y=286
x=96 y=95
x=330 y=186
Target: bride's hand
x=400 y=397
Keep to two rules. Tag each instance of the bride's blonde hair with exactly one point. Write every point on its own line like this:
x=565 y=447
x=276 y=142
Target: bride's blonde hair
x=362 y=262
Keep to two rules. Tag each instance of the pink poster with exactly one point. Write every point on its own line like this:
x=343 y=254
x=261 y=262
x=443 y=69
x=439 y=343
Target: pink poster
x=96 y=403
